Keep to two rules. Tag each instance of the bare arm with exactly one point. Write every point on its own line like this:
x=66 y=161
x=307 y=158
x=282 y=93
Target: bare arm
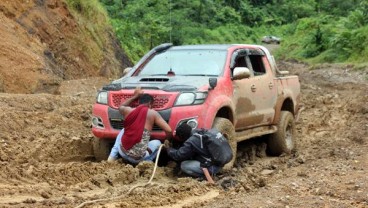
x=163 y=125
x=124 y=107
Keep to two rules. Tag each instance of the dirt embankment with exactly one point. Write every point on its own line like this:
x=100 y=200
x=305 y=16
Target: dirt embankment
x=44 y=42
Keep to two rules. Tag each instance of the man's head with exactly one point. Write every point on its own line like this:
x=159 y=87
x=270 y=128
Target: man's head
x=146 y=99
x=183 y=132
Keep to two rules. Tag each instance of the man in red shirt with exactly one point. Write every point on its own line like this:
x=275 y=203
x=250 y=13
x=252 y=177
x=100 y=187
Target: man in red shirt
x=133 y=142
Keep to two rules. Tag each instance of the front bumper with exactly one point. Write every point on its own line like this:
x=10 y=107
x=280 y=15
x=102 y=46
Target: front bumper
x=110 y=121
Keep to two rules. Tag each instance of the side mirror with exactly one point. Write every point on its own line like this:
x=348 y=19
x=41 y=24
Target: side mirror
x=213 y=83
x=241 y=73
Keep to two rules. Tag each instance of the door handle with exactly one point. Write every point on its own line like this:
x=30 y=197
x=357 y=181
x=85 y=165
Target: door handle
x=253 y=88
x=270 y=85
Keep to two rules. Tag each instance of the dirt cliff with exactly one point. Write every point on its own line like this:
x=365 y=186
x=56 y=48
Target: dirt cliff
x=46 y=41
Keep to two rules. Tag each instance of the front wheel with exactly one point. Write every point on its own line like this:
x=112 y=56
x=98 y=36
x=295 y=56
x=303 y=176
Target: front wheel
x=101 y=148
x=283 y=141
x=227 y=129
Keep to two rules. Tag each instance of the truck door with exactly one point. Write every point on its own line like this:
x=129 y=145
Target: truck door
x=263 y=87
x=255 y=96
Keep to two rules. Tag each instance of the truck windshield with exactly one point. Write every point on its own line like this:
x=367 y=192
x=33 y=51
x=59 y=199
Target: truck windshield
x=186 y=62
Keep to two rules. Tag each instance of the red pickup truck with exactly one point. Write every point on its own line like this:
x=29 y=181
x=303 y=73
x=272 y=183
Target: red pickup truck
x=236 y=88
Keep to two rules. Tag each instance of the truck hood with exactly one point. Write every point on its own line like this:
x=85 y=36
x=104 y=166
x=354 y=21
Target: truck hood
x=165 y=83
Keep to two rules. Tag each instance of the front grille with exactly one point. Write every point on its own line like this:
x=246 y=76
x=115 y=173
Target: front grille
x=119 y=124
x=159 y=102
x=116 y=123
x=117 y=99
x=157 y=128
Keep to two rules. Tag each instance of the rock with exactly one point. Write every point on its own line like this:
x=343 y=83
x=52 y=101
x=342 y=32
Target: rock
x=267 y=172
x=30 y=201
x=76 y=138
x=45 y=195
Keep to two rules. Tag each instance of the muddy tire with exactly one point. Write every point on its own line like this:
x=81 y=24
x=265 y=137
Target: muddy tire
x=283 y=141
x=101 y=148
x=227 y=129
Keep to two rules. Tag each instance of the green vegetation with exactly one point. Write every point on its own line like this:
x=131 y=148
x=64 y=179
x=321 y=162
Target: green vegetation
x=94 y=20
x=329 y=37
x=311 y=30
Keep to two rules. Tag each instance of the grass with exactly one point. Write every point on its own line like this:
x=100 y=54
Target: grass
x=94 y=24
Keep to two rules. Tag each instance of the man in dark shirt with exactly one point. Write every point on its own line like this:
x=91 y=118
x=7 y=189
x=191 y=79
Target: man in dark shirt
x=192 y=154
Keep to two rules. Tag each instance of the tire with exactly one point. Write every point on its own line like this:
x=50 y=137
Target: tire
x=227 y=129
x=101 y=148
x=283 y=141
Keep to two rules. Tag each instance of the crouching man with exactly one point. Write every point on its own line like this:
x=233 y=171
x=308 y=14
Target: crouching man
x=192 y=154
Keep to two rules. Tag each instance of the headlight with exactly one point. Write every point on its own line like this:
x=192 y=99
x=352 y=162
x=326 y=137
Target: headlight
x=191 y=98
x=102 y=97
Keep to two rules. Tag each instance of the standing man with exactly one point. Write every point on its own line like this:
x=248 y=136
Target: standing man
x=133 y=142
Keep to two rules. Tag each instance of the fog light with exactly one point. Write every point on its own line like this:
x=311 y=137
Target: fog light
x=192 y=123
x=94 y=121
x=97 y=122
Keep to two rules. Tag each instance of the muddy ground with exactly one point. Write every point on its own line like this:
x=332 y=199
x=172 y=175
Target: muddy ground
x=46 y=154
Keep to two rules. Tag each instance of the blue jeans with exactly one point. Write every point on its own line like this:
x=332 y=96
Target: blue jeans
x=116 y=150
x=193 y=168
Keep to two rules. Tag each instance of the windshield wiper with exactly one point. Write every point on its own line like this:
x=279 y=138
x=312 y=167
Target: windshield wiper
x=156 y=74
x=169 y=73
x=200 y=75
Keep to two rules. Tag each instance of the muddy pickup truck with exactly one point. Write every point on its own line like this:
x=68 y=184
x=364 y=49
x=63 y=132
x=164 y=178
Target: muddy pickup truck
x=236 y=88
